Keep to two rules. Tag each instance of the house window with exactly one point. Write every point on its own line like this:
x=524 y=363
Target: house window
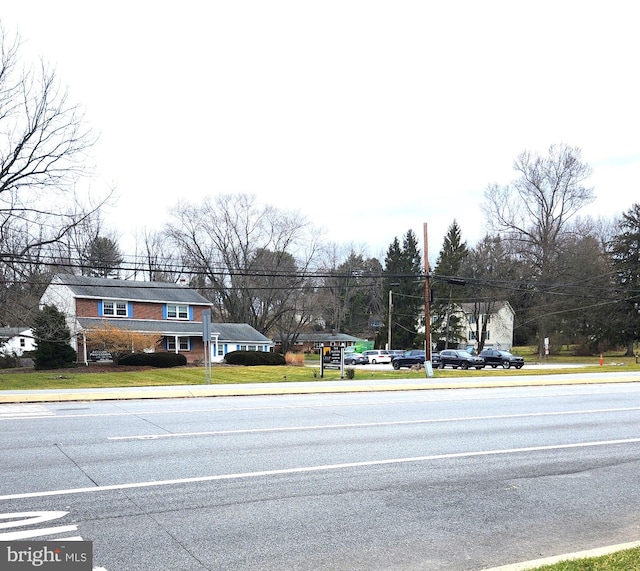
x=22 y=342
x=114 y=308
x=183 y=344
x=177 y=312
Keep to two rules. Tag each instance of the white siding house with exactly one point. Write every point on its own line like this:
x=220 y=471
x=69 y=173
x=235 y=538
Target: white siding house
x=499 y=324
x=16 y=340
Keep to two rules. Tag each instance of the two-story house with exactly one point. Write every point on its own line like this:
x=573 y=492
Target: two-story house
x=170 y=310
x=498 y=324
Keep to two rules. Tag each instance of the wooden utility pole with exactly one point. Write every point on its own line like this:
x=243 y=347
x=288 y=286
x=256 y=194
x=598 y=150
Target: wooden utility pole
x=427 y=307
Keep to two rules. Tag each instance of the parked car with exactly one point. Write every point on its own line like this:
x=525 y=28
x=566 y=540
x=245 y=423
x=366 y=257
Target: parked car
x=495 y=357
x=408 y=359
x=100 y=356
x=376 y=356
x=355 y=359
x=459 y=358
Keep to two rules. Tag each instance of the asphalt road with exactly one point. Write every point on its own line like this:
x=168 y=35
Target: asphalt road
x=430 y=480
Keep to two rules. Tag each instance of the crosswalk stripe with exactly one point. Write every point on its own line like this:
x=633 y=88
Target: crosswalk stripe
x=17 y=411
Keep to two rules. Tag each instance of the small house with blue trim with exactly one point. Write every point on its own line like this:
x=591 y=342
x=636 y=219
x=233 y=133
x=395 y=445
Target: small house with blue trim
x=173 y=311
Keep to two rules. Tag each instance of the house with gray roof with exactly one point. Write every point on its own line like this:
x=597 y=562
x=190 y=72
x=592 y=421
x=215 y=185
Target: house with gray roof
x=315 y=342
x=174 y=312
x=16 y=340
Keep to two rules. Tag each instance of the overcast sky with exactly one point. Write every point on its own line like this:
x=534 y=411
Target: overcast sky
x=369 y=117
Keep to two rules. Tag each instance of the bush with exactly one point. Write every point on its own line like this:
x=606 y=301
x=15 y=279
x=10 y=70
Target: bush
x=295 y=359
x=350 y=373
x=251 y=358
x=159 y=360
x=9 y=361
x=52 y=336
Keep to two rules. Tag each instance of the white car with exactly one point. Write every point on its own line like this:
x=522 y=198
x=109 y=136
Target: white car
x=377 y=356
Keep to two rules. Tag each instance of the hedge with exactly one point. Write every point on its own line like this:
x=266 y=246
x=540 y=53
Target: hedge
x=250 y=358
x=159 y=360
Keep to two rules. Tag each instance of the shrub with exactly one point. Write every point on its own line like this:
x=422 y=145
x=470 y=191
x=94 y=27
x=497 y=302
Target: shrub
x=251 y=358
x=9 y=361
x=159 y=360
x=295 y=359
x=350 y=373
x=52 y=336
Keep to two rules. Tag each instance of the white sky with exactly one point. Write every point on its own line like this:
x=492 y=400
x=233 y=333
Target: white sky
x=369 y=117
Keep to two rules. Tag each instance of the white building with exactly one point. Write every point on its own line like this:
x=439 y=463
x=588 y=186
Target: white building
x=499 y=324
x=16 y=340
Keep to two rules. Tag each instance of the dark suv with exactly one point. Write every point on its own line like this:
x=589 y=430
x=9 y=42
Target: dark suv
x=408 y=358
x=457 y=358
x=495 y=357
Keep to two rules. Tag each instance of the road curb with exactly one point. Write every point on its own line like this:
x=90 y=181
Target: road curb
x=534 y=564
x=274 y=389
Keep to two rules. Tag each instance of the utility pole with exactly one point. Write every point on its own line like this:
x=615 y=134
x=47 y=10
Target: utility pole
x=390 y=313
x=389 y=323
x=427 y=308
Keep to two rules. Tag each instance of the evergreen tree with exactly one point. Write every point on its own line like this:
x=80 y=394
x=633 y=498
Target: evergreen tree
x=625 y=256
x=52 y=336
x=490 y=273
x=404 y=277
x=446 y=326
x=103 y=258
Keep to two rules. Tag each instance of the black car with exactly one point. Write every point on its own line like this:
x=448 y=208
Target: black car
x=505 y=359
x=462 y=359
x=408 y=358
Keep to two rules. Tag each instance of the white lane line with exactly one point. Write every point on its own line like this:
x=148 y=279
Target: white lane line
x=428 y=399
x=367 y=424
x=306 y=469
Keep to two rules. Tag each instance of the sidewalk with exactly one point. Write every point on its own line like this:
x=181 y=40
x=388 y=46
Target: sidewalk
x=311 y=387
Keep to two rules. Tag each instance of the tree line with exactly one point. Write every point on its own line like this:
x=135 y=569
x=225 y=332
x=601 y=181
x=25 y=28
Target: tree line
x=571 y=279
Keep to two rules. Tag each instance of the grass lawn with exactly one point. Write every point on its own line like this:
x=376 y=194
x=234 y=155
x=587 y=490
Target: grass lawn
x=627 y=560
x=101 y=376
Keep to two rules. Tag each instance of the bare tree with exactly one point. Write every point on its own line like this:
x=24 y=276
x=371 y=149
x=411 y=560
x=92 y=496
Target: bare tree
x=533 y=213
x=43 y=148
x=155 y=259
x=43 y=153
x=252 y=261
x=350 y=297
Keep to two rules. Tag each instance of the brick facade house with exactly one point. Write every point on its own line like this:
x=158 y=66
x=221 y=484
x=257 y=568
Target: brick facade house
x=172 y=311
